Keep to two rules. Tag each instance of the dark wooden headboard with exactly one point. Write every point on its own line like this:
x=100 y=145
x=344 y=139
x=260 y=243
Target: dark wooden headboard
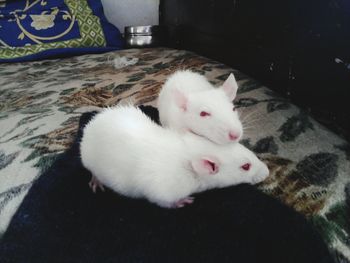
x=300 y=49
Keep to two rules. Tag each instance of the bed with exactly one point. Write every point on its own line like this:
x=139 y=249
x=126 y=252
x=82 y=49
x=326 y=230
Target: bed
x=41 y=103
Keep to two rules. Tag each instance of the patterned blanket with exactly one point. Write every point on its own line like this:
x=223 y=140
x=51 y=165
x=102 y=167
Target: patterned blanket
x=41 y=102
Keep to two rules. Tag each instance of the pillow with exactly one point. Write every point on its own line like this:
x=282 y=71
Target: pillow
x=37 y=29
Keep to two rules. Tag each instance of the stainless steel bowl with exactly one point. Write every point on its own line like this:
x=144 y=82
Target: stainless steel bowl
x=139 y=30
x=143 y=36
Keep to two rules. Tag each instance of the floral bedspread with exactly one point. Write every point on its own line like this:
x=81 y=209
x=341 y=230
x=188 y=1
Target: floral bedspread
x=41 y=102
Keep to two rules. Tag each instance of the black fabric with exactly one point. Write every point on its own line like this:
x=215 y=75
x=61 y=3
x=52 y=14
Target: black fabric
x=61 y=220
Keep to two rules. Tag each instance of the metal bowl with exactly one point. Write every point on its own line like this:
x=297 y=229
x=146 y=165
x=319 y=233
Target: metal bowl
x=139 y=30
x=143 y=36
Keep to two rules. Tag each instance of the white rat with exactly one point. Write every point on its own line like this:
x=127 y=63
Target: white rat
x=129 y=153
x=189 y=102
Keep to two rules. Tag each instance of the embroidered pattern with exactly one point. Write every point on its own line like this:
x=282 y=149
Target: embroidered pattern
x=82 y=28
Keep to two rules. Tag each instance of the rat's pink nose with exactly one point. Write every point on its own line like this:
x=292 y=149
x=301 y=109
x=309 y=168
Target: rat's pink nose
x=233 y=136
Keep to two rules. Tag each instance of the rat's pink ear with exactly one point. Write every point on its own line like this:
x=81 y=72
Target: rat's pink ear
x=205 y=166
x=230 y=87
x=180 y=99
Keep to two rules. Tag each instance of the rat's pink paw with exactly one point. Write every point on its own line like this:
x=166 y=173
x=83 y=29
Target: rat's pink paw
x=94 y=184
x=182 y=202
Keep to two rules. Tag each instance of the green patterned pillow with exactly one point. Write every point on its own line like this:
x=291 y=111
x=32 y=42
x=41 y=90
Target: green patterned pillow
x=36 y=29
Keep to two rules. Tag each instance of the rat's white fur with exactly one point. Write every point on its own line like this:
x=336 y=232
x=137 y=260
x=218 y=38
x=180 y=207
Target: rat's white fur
x=200 y=95
x=135 y=157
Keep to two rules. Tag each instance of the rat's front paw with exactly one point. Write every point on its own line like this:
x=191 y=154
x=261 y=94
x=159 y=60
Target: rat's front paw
x=95 y=183
x=185 y=201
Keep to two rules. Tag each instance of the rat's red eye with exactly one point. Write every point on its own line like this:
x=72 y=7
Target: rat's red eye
x=234 y=108
x=204 y=114
x=246 y=166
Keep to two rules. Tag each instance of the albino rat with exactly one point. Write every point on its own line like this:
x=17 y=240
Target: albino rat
x=188 y=102
x=129 y=153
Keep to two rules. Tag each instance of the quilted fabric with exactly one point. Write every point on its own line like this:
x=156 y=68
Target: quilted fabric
x=62 y=220
x=39 y=29
x=41 y=102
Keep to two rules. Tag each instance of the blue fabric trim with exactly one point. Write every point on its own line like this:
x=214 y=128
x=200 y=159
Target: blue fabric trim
x=111 y=32
x=61 y=53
